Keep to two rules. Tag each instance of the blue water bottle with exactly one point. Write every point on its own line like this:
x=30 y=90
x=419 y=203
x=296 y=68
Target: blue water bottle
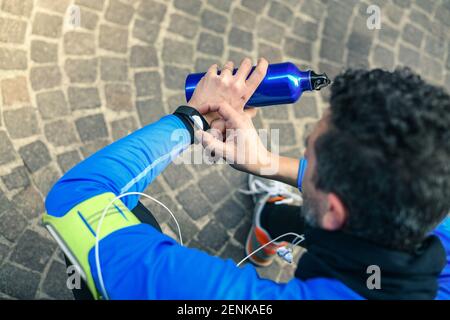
x=284 y=83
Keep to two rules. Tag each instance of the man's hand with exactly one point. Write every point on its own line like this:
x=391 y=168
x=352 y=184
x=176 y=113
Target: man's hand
x=235 y=90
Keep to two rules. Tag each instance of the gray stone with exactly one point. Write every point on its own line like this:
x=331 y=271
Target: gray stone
x=29 y=202
x=174 y=77
x=45 y=77
x=336 y=22
x=88 y=19
x=45 y=178
x=177 y=52
x=52 y=104
x=240 y=39
x=18 y=178
x=214 y=21
x=256 y=6
x=287 y=134
x=214 y=187
x=275 y=112
x=145 y=31
x=359 y=43
x=18 y=7
x=91 y=127
x=241 y=233
x=306 y=107
x=143 y=56
x=119 y=12
x=59 y=6
x=83 y=98
x=243 y=19
x=113 y=69
x=280 y=12
x=55 y=283
x=150 y=110
x=47 y=25
x=35 y=155
x=17 y=282
x=12 y=30
x=182 y=25
x=213 y=235
x=7 y=153
x=188 y=229
x=435 y=46
x=93 y=4
x=152 y=11
x=60 y=133
x=193 y=201
x=118 y=97
x=79 y=43
x=332 y=50
x=306 y=29
x=233 y=252
x=203 y=64
x=91 y=147
x=113 y=39
x=4 y=250
x=271 y=53
x=123 y=127
x=408 y=57
x=44 y=52
x=431 y=69
x=383 y=58
x=298 y=49
x=388 y=35
x=210 y=44
x=68 y=160
x=223 y=5
x=270 y=31
x=177 y=175
x=81 y=70
x=15 y=91
x=426 y=5
x=33 y=251
x=189 y=6
x=230 y=214
x=21 y=123
x=147 y=84
x=356 y=60
x=13 y=59
x=412 y=35
x=313 y=9
x=12 y=224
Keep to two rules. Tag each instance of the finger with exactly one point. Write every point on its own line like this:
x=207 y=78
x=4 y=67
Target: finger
x=227 y=69
x=257 y=76
x=213 y=70
x=209 y=142
x=226 y=112
x=251 y=112
x=244 y=69
x=218 y=126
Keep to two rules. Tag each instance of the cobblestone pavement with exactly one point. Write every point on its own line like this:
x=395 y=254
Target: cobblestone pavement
x=66 y=93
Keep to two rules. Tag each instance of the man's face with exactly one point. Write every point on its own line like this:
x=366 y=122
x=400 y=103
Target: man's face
x=314 y=201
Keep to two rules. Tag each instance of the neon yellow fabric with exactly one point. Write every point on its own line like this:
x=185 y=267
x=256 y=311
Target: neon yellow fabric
x=77 y=228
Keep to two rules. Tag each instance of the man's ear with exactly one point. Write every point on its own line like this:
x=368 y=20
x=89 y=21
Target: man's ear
x=335 y=215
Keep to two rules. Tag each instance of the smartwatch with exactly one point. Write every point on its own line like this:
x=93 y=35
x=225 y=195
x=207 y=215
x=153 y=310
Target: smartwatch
x=192 y=119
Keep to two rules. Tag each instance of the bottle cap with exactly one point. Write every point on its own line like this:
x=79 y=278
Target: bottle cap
x=319 y=81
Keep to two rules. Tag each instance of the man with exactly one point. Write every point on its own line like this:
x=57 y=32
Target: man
x=376 y=193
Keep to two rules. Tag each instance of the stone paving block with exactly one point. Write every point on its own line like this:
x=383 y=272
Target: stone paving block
x=143 y=56
x=214 y=21
x=152 y=11
x=332 y=50
x=177 y=52
x=203 y=64
x=113 y=69
x=412 y=35
x=68 y=160
x=52 y=5
x=233 y=252
x=210 y=44
x=44 y=52
x=189 y=6
x=408 y=57
x=306 y=29
x=240 y=39
x=55 y=284
x=213 y=235
x=46 y=77
x=18 y=178
x=21 y=123
x=18 y=7
x=280 y=12
x=147 y=84
x=89 y=148
x=244 y=19
x=79 y=43
x=81 y=70
x=256 y=6
x=15 y=91
x=12 y=30
x=45 y=178
x=287 y=135
x=223 y=5
x=47 y=25
x=270 y=31
x=12 y=224
x=6 y=149
x=91 y=127
x=241 y=232
x=146 y=31
x=83 y=98
x=175 y=77
x=193 y=201
x=17 y=282
x=183 y=25
x=119 y=12
x=275 y=113
x=383 y=58
x=4 y=250
x=150 y=110
x=123 y=127
x=230 y=214
x=88 y=19
x=35 y=155
x=33 y=251
x=214 y=187
x=313 y=9
x=13 y=59
x=188 y=228
x=93 y=4
x=52 y=104
x=113 y=39
x=177 y=175
x=118 y=97
x=298 y=49
x=29 y=203
x=435 y=46
x=60 y=133
x=388 y=35
x=306 y=107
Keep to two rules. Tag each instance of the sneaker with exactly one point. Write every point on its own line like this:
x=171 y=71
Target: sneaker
x=265 y=191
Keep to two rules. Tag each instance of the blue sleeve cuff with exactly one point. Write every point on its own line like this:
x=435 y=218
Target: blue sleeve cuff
x=301 y=173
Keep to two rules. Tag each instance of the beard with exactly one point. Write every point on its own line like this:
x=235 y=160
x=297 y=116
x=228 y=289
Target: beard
x=312 y=210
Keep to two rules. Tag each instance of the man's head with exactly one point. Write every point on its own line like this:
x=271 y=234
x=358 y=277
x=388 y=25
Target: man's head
x=379 y=159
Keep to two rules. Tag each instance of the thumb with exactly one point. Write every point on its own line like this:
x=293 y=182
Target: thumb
x=208 y=141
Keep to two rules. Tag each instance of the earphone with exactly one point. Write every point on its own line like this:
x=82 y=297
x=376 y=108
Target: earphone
x=285 y=252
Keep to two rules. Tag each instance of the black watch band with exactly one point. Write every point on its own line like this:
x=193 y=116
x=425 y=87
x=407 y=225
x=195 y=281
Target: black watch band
x=192 y=119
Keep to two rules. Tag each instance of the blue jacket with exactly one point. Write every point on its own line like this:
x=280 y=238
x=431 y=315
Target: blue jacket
x=139 y=262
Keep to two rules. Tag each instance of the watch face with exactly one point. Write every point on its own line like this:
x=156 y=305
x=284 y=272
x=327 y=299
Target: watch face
x=197 y=122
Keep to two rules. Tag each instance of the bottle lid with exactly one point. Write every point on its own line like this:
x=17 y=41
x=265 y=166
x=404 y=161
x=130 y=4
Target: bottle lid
x=319 y=81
